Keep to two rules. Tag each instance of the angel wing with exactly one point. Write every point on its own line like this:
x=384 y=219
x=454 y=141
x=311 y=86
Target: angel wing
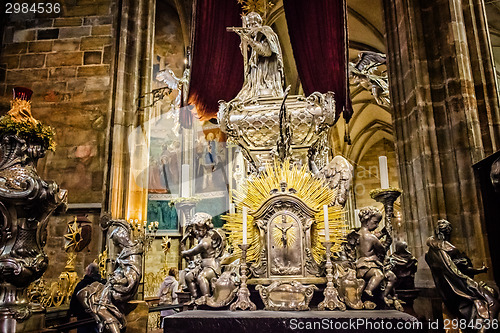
x=338 y=174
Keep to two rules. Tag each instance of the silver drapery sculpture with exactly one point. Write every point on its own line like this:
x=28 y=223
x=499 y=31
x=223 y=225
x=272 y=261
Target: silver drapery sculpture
x=106 y=302
x=453 y=275
x=252 y=119
x=26 y=203
x=269 y=125
x=263 y=62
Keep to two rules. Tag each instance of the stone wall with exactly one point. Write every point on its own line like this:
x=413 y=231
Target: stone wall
x=443 y=113
x=66 y=59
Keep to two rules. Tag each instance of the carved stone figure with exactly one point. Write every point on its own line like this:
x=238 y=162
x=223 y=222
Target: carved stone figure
x=263 y=119
x=210 y=248
x=350 y=287
x=372 y=253
x=404 y=265
x=106 y=302
x=453 y=276
x=26 y=203
x=263 y=62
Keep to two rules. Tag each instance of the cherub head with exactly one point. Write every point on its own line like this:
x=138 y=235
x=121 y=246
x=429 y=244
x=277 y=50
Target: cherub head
x=370 y=217
x=202 y=223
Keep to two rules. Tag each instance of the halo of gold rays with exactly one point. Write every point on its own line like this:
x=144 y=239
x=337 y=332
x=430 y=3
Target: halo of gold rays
x=259 y=6
x=312 y=191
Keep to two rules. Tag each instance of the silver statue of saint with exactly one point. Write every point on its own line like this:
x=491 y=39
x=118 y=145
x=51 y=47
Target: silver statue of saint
x=263 y=61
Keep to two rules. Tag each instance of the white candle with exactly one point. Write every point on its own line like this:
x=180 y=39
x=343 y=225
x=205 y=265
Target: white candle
x=245 y=212
x=185 y=181
x=232 y=208
x=384 y=172
x=327 y=227
x=357 y=222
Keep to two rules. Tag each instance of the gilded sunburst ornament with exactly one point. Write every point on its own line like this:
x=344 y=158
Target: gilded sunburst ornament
x=311 y=190
x=73 y=236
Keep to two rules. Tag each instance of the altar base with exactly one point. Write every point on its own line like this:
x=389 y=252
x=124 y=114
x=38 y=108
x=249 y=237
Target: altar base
x=293 y=321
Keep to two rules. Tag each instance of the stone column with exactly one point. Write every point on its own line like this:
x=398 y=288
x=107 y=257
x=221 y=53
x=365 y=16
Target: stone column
x=445 y=117
x=128 y=150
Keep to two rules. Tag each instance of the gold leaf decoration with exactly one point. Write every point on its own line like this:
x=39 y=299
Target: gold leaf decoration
x=311 y=190
x=258 y=6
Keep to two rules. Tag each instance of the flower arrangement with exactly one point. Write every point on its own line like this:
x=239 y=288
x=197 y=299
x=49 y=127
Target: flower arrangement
x=29 y=131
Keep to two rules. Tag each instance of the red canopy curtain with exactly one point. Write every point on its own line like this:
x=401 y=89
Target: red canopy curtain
x=318 y=35
x=217 y=64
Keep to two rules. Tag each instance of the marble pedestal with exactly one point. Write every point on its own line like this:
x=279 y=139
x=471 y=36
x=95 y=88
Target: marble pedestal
x=298 y=321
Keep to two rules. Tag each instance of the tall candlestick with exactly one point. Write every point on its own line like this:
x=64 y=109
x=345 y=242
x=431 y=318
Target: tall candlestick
x=384 y=172
x=245 y=212
x=185 y=192
x=327 y=227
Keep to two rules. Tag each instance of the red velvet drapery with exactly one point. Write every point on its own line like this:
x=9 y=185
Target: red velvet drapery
x=217 y=64
x=318 y=36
